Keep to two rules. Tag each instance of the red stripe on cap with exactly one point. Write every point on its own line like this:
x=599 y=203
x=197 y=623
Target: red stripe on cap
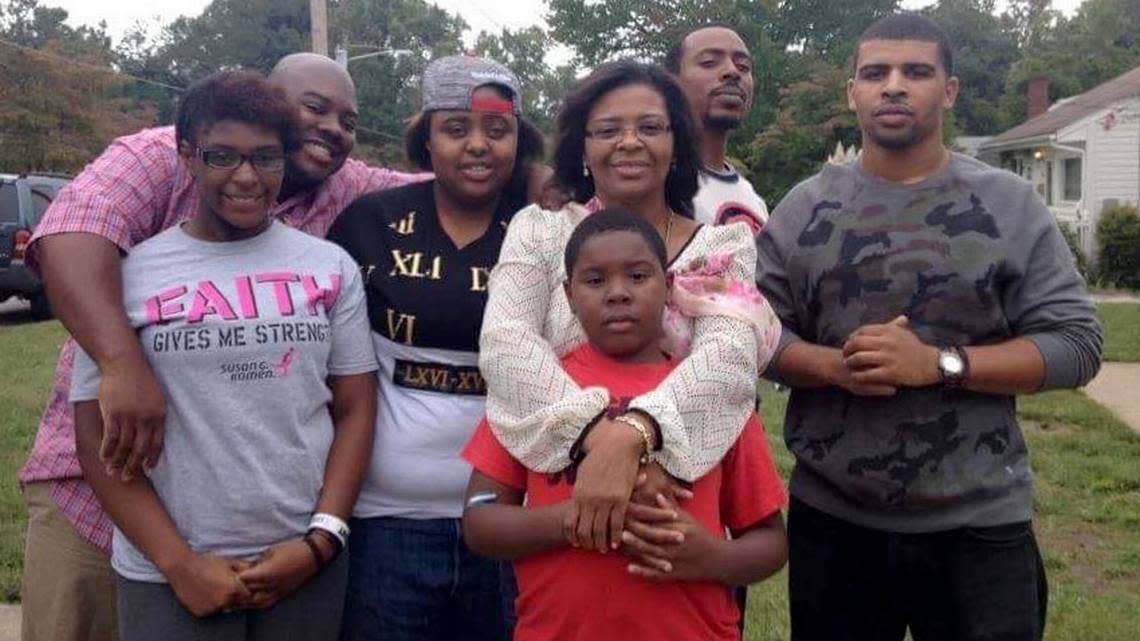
x=493 y=105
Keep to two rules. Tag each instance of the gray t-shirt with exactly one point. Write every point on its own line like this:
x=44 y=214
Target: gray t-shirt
x=973 y=257
x=242 y=336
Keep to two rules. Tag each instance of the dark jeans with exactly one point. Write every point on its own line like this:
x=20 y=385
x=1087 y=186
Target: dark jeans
x=850 y=583
x=415 y=580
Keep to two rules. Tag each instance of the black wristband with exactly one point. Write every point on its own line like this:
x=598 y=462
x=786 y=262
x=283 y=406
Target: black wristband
x=578 y=448
x=330 y=537
x=316 y=552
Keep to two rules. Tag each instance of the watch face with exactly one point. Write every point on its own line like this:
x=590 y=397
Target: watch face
x=950 y=363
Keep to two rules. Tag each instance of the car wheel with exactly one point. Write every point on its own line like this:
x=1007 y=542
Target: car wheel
x=41 y=308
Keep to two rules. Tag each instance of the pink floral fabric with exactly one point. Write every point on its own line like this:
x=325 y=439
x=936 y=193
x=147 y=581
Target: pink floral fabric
x=704 y=287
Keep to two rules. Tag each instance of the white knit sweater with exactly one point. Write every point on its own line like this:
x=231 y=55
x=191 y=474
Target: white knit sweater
x=537 y=411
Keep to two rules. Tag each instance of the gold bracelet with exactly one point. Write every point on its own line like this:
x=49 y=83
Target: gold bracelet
x=639 y=425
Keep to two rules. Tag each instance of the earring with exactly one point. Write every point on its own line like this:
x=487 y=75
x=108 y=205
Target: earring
x=585 y=170
x=673 y=166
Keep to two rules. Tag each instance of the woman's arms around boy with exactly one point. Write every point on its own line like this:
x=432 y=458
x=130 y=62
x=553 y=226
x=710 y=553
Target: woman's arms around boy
x=663 y=542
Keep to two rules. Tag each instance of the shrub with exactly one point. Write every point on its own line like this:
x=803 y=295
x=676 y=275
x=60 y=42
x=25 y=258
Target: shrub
x=1118 y=237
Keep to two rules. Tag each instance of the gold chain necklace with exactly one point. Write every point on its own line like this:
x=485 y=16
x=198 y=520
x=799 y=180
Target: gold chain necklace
x=668 y=230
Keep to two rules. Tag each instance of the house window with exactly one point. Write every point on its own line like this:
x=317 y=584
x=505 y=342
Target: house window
x=1072 y=187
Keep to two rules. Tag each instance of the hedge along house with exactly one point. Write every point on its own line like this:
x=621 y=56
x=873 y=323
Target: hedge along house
x=1082 y=154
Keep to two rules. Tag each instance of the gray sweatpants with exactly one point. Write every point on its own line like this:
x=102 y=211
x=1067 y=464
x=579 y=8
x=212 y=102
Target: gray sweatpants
x=150 y=611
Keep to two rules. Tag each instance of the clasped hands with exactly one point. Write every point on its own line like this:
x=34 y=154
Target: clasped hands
x=662 y=541
x=207 y=584
x=879 y=359
x=620 y=506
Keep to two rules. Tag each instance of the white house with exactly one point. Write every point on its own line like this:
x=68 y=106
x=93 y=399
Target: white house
x=1082 y=154
x=970 y=145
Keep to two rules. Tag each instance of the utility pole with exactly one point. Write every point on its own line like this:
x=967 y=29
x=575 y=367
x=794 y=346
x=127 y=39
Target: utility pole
x=319 y=17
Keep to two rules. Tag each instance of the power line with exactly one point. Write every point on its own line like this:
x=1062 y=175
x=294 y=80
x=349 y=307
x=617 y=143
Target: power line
x=63 y=59
x=80 y=63
x=488 y=16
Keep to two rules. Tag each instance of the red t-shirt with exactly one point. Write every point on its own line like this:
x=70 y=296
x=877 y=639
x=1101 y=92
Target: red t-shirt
x=569 y=594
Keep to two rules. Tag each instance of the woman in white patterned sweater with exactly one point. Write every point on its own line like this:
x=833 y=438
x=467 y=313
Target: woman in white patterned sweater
x=626 y=138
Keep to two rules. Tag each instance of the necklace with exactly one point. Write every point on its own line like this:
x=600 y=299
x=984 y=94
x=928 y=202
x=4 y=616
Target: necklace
x=668 y=229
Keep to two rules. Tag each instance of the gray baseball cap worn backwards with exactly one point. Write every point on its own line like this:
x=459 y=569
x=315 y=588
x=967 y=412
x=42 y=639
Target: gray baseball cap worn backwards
x=450 y=82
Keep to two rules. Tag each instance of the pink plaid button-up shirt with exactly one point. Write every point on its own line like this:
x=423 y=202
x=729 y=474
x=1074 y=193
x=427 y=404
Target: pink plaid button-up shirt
x=134 y=190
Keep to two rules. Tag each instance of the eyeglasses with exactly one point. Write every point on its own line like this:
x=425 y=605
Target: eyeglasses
x=645 y=131
x=229 y=159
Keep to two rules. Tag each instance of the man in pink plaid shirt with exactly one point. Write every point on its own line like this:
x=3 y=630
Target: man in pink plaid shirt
x=134 y=190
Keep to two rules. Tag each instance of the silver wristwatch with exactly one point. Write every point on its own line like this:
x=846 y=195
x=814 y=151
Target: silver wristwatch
x=953 y=366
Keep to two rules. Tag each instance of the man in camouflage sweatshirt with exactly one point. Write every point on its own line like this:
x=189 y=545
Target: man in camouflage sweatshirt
x=920 y=291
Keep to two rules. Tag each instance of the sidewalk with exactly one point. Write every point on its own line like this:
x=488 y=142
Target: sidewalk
x=1117 y=387
x=1115 y=298
x=9 y=622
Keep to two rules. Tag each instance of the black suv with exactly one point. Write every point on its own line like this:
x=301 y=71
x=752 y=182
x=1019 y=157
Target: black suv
x=23 y=200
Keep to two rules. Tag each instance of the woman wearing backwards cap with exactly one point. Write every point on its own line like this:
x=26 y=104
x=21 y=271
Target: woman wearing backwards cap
x=426 y=251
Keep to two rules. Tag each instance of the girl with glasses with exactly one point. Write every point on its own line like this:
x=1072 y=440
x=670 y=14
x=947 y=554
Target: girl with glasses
x=258 y=334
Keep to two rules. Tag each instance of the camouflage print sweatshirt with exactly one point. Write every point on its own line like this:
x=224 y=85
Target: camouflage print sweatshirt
x=973 y=257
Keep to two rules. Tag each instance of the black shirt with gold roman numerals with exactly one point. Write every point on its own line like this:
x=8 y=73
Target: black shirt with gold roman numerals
x=422 y=290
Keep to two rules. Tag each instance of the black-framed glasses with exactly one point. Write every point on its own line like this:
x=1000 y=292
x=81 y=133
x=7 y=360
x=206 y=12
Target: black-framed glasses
x=645 y=131
x=261 y=160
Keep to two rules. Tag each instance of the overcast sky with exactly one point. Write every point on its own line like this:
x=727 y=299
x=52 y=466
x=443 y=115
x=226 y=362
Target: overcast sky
x=481 y=15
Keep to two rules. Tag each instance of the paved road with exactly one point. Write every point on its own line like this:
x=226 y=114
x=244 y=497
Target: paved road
x=1117 y=387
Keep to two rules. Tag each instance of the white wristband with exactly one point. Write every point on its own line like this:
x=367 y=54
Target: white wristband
x=334 y=525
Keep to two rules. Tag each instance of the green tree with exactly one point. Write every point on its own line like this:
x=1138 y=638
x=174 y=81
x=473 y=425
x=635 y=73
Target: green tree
x=827 y=28
x=137 y=54
x=26 y=23
x=57 y=109
x=1098 y=43
x=247 y=33
x=1030 y=21
x=388 y=85
x=647 y=29
x=812 y=117
x=255 y=34
x=985 y=51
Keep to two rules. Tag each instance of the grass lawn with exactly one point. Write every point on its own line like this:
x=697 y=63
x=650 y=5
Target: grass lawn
x=1121 y=331
x=27 y=361
x=1087 y=467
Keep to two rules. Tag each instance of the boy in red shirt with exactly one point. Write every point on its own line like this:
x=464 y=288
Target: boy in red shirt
x=672 y=580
